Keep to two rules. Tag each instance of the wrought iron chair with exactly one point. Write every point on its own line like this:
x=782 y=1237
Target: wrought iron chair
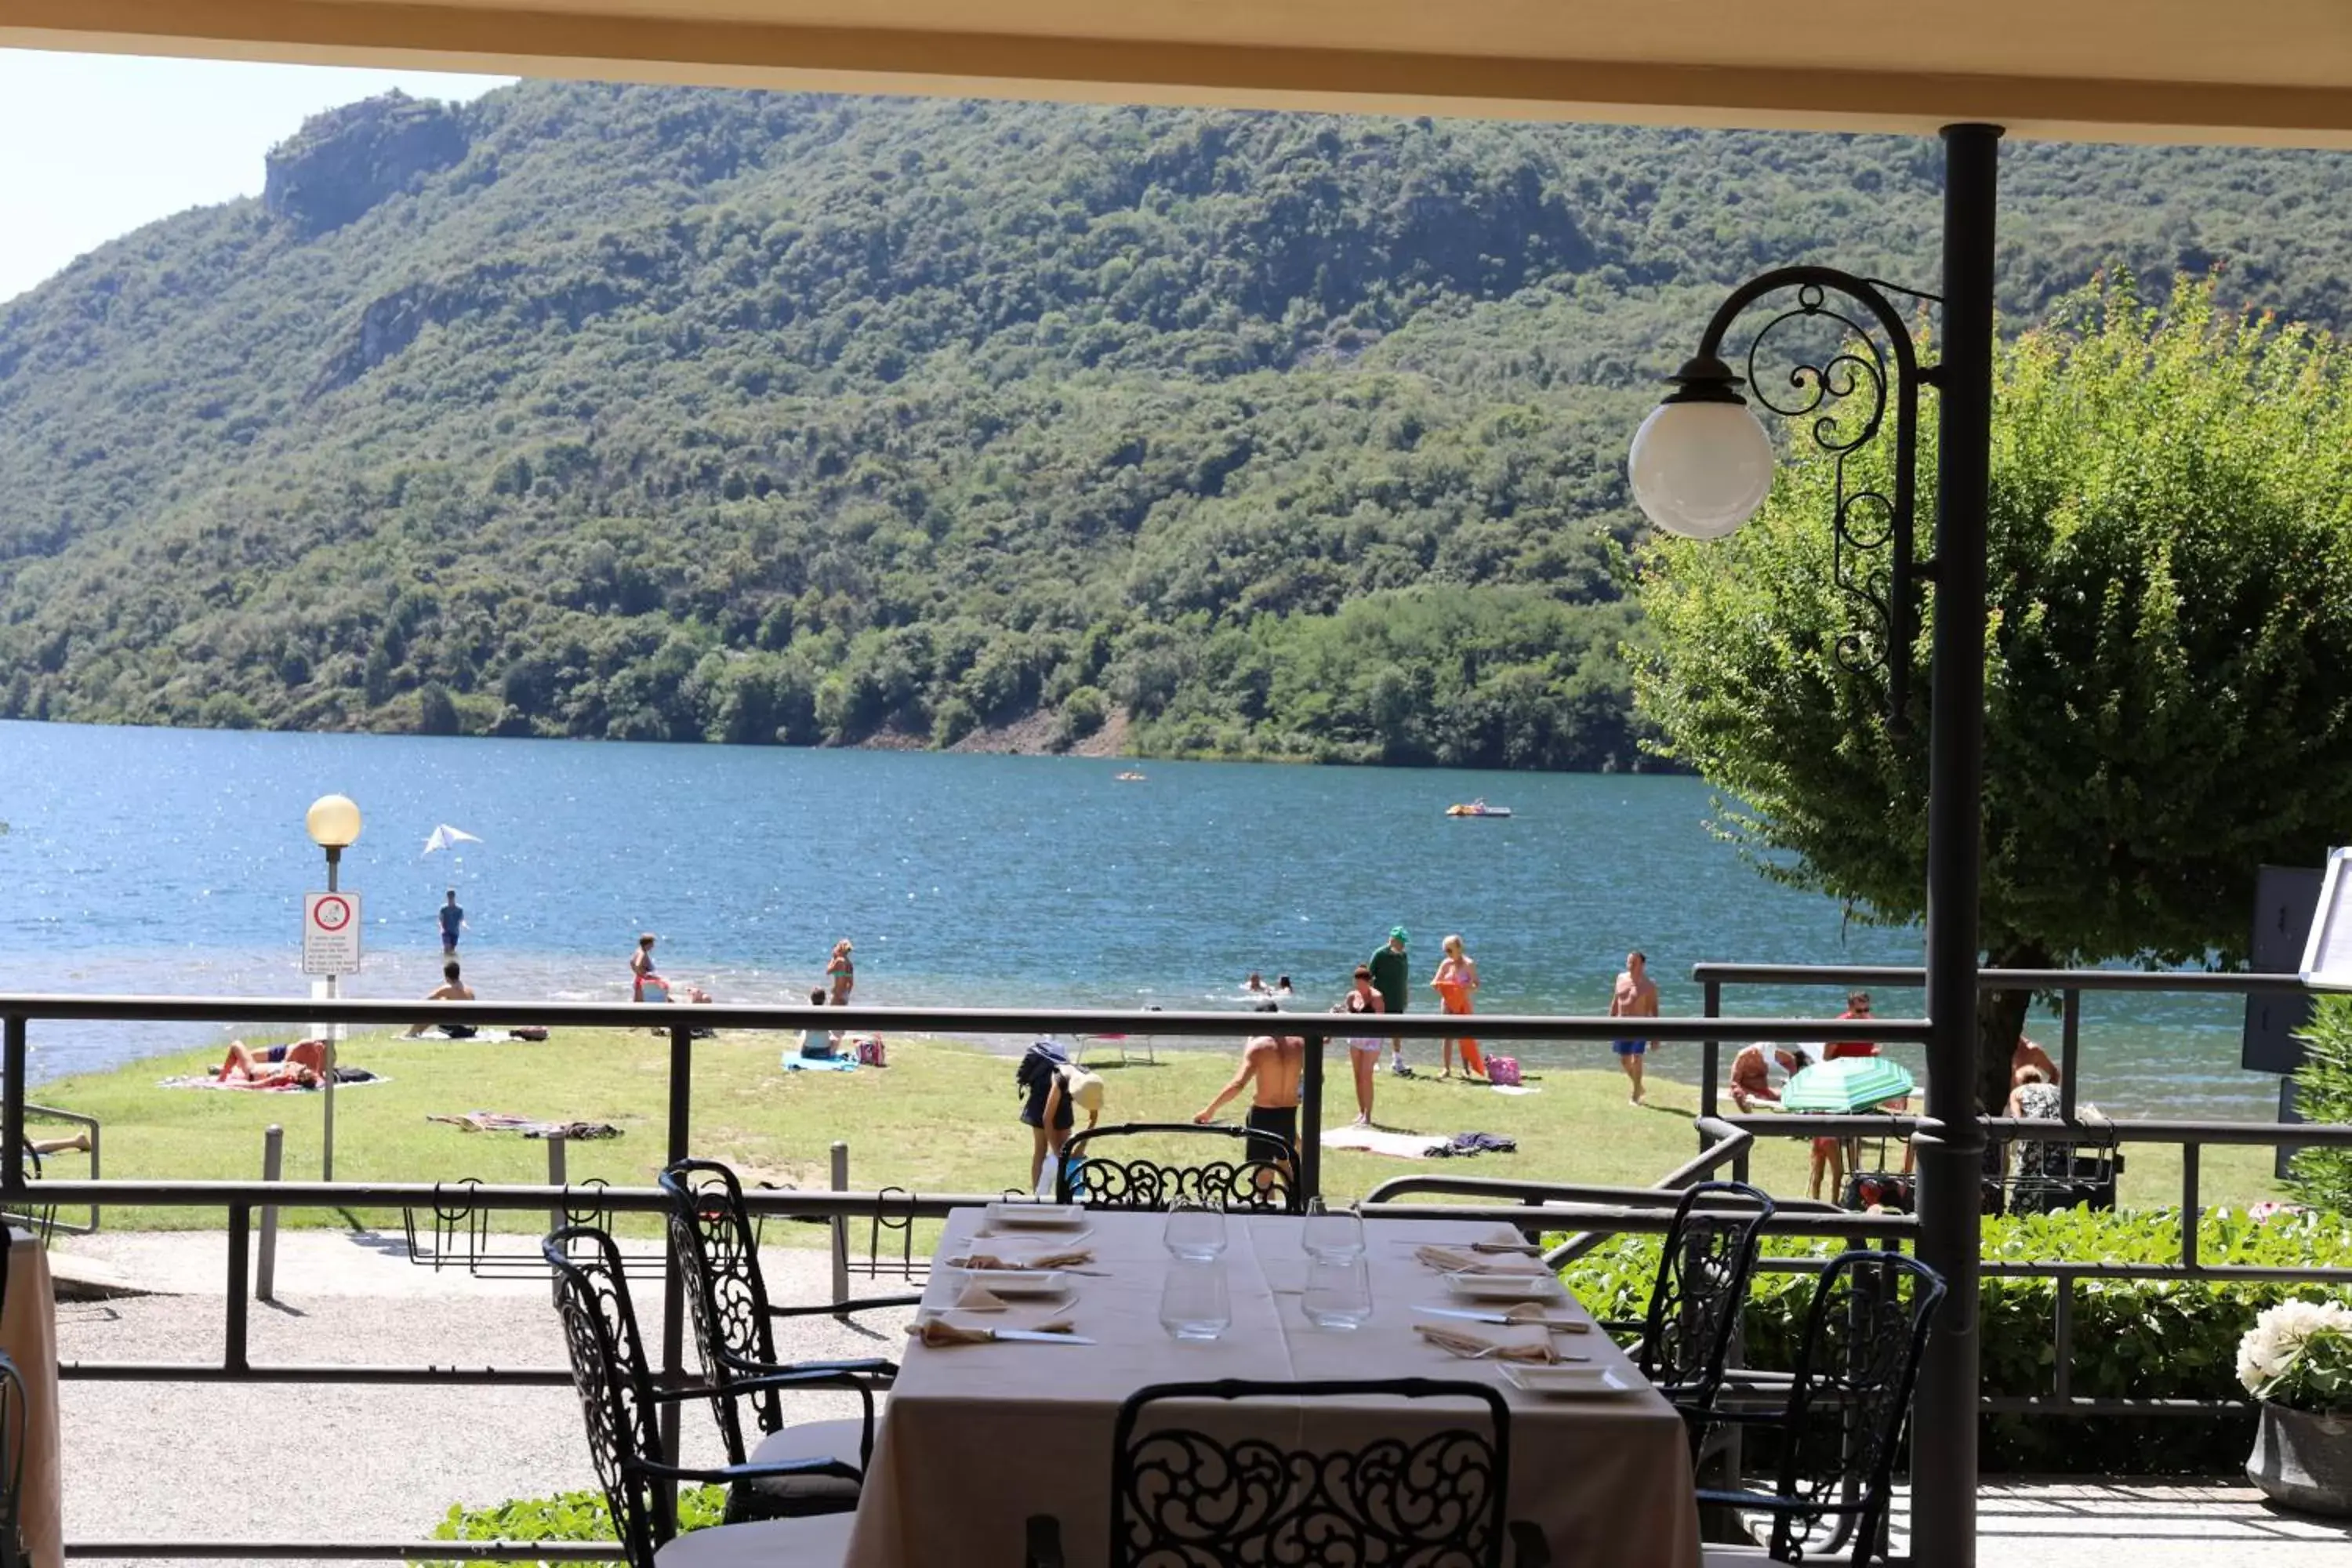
x=1703 y=1266
x=619 y=1402
x=1848 y=1399
x=716 y=1249
x=1182 y=1496
x=1265 y=1177
x=15 y=1417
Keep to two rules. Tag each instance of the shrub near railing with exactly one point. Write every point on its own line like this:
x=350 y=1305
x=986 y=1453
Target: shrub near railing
x=2134 y=1339
x=567 y=1516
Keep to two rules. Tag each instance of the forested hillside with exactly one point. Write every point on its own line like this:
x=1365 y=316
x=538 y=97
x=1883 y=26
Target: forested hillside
x=657 y=413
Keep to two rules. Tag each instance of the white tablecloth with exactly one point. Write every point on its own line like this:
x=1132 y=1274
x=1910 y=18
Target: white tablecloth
x=979 y=1438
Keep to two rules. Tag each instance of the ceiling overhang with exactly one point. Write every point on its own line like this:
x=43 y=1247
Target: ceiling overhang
x=2257 y=71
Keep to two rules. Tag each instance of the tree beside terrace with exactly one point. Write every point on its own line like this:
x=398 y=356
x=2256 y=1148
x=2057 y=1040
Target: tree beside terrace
x=2168 y=664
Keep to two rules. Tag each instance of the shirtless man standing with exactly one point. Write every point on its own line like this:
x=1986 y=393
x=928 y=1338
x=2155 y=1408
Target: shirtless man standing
x=1276 y=1063
x=1636 y=998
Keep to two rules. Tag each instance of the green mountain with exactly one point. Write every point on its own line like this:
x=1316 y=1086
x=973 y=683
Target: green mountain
x=657 y=414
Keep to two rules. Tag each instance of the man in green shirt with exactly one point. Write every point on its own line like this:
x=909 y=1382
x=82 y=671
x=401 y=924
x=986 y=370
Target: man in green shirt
x=1388 y=966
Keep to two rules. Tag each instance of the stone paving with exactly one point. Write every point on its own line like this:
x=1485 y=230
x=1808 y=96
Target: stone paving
x=146 y=1459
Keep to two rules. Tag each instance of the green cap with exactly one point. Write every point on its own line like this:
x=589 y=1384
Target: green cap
x=1396 y=934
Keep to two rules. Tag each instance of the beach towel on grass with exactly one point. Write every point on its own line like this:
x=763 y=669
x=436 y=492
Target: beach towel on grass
x=1464 y=1144
x=478 y=1037
x=1373 y=1141
x=820 y=1064
x=345 y=1077
x=1514 y=1088
x=500 y=1121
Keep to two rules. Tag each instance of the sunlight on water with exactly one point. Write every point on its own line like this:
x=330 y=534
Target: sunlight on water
x=174 y=862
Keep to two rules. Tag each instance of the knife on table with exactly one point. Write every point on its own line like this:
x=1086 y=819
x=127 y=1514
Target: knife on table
x=1557 y=1325
x=1040 y=1336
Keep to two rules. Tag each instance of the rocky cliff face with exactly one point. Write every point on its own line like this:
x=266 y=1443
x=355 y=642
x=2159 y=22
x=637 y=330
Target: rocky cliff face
x=347 y=160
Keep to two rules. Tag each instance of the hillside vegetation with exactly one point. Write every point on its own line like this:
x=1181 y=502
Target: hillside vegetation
x=658 y=414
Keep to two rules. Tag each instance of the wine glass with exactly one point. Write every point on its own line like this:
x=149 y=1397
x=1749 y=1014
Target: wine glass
x=1339 y=1292
x=1195 y=1229
x=1332 y=1233
x=1193 y=1304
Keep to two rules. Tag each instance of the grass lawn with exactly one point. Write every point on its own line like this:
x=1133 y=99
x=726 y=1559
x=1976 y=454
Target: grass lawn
x=941 y=1118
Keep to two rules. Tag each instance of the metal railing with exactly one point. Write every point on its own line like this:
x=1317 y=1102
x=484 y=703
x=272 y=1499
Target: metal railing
x=2191 y=1136
x=1614 y=1210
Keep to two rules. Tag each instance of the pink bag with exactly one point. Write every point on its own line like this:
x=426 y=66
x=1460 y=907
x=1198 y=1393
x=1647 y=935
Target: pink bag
x=871 y=1052
x=1503 y=1070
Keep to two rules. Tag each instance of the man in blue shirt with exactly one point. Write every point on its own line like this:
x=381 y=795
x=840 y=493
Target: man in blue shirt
x=453 y=920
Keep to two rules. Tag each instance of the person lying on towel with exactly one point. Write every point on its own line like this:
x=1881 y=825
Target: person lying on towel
x=302 y=1065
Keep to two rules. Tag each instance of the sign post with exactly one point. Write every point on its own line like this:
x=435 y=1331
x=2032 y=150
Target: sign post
x=330 y=946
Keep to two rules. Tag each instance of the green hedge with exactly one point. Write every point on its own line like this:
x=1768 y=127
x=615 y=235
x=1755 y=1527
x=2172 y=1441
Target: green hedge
x=2133 y=1339
x=567 y=1516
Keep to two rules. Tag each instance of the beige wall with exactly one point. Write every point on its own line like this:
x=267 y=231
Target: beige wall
x=2277 y=71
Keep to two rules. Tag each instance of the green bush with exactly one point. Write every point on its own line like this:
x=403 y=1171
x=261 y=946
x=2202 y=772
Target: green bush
x=2134 y=1339
x=2323 y=1092
x=567 y=1516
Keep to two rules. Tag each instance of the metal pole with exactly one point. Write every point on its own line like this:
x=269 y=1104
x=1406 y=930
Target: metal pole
x=1710 y=1054
x=326 y=1146
x=1310 y=1123
x=558 y=1175
x=681 y=1130
x=840 y=1229
x=1944 y=1463
x=2069 y=1055
x=240 y=1250
x=273 y=1167
x=12 y=1110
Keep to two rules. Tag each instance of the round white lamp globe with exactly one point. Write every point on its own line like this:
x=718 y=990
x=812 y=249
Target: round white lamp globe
x=333 y=821
x=1700 y=468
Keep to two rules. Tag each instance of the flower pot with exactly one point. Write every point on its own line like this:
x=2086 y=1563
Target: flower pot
x=2304 y=1461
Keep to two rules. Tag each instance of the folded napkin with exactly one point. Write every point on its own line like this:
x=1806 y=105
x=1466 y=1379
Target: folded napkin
x=978 y=1298
x=985 y=1261
x=937 y=1333
x=1465 y=1261
x=1472 y=1344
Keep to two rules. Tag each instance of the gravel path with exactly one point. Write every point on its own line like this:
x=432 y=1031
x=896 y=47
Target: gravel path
x=318 y=1462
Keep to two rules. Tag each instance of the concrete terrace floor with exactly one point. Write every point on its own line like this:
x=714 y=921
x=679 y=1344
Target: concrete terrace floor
x=143 y=1460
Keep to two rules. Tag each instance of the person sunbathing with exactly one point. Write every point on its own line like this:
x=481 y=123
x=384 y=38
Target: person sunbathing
x=451 y=989
x=302 y=1065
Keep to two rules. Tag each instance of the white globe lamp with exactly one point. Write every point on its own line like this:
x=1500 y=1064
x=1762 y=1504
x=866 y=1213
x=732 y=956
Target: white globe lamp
x=1701 y=463
x=332 y=822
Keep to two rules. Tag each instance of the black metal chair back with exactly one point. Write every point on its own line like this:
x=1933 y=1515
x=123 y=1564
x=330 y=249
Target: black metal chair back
x=617 y=1392
x=16 y=1431
x=1848 y=1399
x=711 y=1234
x=1182 y=1496
x=1701 y=1289
x=1264 y=1175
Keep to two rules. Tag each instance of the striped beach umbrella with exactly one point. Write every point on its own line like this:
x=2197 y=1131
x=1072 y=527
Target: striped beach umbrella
x=1847 y=1084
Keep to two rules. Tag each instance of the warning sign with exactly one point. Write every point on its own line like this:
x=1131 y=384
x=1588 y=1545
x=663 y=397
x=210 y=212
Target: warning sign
x=330 y=934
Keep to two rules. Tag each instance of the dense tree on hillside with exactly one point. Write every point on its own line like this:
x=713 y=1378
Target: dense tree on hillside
x=2168 y=678
x=608 y=411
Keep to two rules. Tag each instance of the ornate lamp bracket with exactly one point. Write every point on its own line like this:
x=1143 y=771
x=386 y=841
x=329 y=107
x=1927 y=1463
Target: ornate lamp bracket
x=1843 y=401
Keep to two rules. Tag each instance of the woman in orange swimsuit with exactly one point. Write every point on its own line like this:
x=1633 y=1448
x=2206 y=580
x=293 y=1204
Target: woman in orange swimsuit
x=1457 y=977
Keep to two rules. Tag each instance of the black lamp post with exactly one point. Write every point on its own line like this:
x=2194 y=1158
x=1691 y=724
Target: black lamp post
x=1700 y=466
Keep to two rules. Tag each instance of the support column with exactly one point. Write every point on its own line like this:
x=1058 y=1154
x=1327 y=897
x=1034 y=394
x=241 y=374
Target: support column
x=1944 y=1422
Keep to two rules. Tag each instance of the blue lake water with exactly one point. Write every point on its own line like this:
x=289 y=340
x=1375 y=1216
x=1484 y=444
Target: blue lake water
x=156 y=861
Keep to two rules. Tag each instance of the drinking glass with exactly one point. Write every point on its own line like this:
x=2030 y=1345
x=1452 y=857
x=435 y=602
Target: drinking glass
x=1332 y=1233
x=1192 y=1302
x=1338 y=1291
x=1194 y=1230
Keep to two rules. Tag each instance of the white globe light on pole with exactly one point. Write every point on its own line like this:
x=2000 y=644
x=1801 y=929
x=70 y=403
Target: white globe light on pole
x=1700 y=464
x=333 y=824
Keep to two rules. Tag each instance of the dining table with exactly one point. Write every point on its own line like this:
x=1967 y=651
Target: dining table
x=978 y=1438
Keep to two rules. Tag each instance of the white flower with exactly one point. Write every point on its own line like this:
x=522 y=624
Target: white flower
x=2269 y=1349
